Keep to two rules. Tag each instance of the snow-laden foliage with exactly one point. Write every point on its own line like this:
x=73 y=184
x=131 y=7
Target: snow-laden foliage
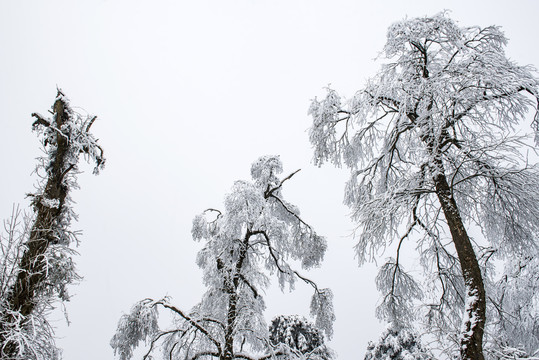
x=36 y=259
x=515 y=308
x=299 y=336
x=252 y=240
x=434 y=143
x=401 y=290
x=140 y=324
x=511 y=353
x=397 y=343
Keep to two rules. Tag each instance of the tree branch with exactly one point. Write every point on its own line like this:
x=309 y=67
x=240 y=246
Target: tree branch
x=40 y=120
x=192 y=322
x=156 y=339
x=269 y=192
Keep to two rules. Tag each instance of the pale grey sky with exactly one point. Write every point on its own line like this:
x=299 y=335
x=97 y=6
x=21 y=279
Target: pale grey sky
x=188 y=94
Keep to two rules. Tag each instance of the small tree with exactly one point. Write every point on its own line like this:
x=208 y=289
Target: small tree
x=397 y=343
x=300 y=337
x=432 y=144
x=36 y=259
x=253 y=238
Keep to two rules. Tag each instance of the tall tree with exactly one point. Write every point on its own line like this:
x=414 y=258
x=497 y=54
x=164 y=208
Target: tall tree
x=432 y=143
x=253 y=238
x=36 y=260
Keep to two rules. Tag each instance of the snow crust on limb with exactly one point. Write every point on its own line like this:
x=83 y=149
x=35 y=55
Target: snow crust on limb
x=36 y=261
x=433 y=143
x=245 y=245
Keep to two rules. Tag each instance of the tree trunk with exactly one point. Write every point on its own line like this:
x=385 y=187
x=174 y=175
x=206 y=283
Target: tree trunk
x=228 y=351
x=30 y=281
x=471 y=343
x=232 y=284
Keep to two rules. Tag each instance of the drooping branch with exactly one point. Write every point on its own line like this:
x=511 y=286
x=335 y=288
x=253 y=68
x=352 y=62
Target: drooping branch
x=249 y=285
x=156 y=339
x=397 y=258
x=192 y=322
x=278 y=265
x=293 y=213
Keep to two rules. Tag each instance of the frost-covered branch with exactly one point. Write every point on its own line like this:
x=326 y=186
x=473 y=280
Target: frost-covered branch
x=191 y=322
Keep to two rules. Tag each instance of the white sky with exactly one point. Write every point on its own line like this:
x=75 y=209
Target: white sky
x=188 y=94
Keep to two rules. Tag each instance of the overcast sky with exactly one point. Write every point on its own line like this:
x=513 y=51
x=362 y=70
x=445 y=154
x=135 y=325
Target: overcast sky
x=188 y=94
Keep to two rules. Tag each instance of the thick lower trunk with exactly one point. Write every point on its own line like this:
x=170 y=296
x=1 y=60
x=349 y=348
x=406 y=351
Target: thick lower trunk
x=474 y=317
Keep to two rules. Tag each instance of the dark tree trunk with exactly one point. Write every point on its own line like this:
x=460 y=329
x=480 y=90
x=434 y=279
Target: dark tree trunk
x=30 y=281
x=228 y=351
x=30 y=278
x=232 y=285
x=471 y=346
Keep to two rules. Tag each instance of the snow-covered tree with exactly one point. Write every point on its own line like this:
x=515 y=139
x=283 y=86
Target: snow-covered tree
x=397 y=343
x=36 y=263
x=433 y=142
x=300 y=336
x=253 y=238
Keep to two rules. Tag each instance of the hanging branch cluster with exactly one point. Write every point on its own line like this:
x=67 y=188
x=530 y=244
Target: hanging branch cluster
x=36 y=261
x=252 y=239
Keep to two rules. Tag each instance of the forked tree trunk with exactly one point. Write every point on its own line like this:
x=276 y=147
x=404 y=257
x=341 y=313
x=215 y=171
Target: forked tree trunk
x=471 y=343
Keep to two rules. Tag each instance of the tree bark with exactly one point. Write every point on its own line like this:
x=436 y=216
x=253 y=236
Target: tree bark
x=228 y=351
x=471 y=343
x=232 y=285
x=32 y=273
x=30 y=281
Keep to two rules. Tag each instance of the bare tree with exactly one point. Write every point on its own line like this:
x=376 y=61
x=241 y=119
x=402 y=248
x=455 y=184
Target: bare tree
x=252 y=239
x=36 y=257
x=432 y=143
